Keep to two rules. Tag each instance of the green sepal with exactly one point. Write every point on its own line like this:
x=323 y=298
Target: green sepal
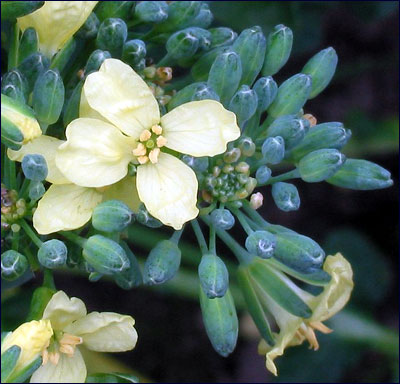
x=10 y=10
x=131 y=277
x=24 y=374
x=71 y=111
x=201 y=68
x=34 y=65
x=40 y=298
x=119 y=9
x=213 y=275
x=9 y=359
x=28 y=44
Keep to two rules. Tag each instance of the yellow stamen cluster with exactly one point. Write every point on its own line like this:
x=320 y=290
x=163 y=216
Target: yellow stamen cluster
x=66 y=344
x=149 y=145
x=306 y=331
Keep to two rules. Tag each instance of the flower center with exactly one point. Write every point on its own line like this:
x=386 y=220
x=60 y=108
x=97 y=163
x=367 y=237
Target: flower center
x=63 y=343
x=306 y=331
x=149 y=145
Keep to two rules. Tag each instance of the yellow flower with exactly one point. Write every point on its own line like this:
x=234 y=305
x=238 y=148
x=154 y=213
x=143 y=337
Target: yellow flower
x=56 y=22
x=72 y=326
x=120 y=123
x=33 y=338
x=294 y=330
x=66 y=206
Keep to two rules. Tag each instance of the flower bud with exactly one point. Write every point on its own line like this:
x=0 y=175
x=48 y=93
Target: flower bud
x=28 y=44
x=222 y=218
x=320 y=165
x=111 y=216
x=327 y=135
x=204 y=18
x=36 y=190
x=72 y=105
x=279 y=46
x=90 y=28
x=48 y=96
x=250 y=45
x=221 y=322
x=273 y=150
x=266 y=90
x=163 y=263
x=131 y=277
x=292 y=95
x=244 y=104
x=95 y=60
x=34 y=167
x=222 y=36
x=9 y=359
x=33 y=66
x=182 y=44
x=112 y=35
x=198 y=164
x=213 y=275
x=40 y=298
x=246 y=146
x=263 y=174
x=261 y=243
x=185 y=95
x=134 y=51
x=143 y=217
x=201 y=67
x=152 y=11
x=205 y=92
x=321 y=68
x=10 y=10
x=286 y=196
x=105 y=255
x=121 y=9
x=14 y=85
x=52 y=254
x=13 y=92
x=13 y=265
x=18 y=123
x=225 y=75
x=361 y=175
x=256 y=200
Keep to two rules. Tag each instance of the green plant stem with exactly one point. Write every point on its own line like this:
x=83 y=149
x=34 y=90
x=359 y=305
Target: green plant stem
x=14 y=47
x=207 y=210
x=212 y=240
x=32 y=235
x=24 y=188
x=15 y=241
x=12 y=175
x=74 y=238
x=164 y=61
x=243 y=220
x=293 y=174
x=177 y=235
x=48 y=279
x=34 y=264
x=200 y=237
x=254 y=215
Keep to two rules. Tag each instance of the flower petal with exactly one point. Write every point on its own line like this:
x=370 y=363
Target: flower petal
x=105 y=331
x=67 y=370
x=65 y=207
x=118 y=93
x=126 y=191
x=56 y=22
x=200 y=128
x=169 y=190
x=95 y=154
x=85 y=110
x=62 y=310
x=47 y=147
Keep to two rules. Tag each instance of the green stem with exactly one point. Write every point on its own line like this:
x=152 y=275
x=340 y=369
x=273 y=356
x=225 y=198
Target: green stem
x=293 y=174
x=14 y=47
x=15 y=241
x=177 y=235
x=254 y=215
x=243 y=220
x=74 y=238
x=48 y=279
x=212 y=240
x=134 y=23
x=12 y=174
x=34 y=264
x=164 y=61
x=23 y=192
x=32 y=235
x=200 y=237
x=207 y=210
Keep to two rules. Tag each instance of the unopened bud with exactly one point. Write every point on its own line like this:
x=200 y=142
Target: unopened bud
x=286 y=196
x=256 y=200
x=53 y=254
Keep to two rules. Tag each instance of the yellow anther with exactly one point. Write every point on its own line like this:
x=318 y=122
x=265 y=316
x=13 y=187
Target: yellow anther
x=67 y=349
x=310 y=118
x=320 y=327
x=45 y=357
x=161 y=141
x=71 y=339
x=153 y=155
x=142 y=159
x=157 y=129
x=54 y=357
x=140 y=150
x=145 y=135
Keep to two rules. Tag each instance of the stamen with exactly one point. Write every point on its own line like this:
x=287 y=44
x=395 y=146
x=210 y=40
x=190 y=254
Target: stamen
x=71 y=339
x=142 y=159
x=161 y=141
x=140 y=150
x=45 y=356
x=54 y=357
x=312 y=339
x=145 y=135
x=153 y=155
x=157 y=129
x=67 y=349
x=321 y=327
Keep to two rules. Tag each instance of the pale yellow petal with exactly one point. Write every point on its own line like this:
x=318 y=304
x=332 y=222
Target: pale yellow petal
x=68 y=370
x=200 y=128
x=62 y=310
x=65 y=207
x=85 y=110
x=118 y=93
x=105 y=331
x=126 y=191
x=95 y=154
x=47 y=147
x=56 y=22
x=169 y=190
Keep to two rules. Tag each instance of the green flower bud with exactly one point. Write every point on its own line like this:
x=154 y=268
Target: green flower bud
x=13 y=92
x=48 y=96
x=286 y=196
x=290 y=128
x=34 y=65
x=95 y=60
x=250 y=45
x=34 y=167
x=246 y=146
x=90 y=28
x=182 y=44
x=266 y=90
x=119 y=9
x=131 y=277
x=52 y=254
x=263 y=174
x=36 y=190
x=222 y=36
x=279 y=46
x=41 y=296
x=143 y=217
x=292 y=95
x=105 y=255
x=9 y=360
x=163 y=263
x=71 y=111
x=320 y=165
x=185 y=95
x=134 y=51
x=244 y=104
x=13 y=265
x=205 y=92
x=221 y=322
x=273 y=150
x=152 y=11
x=222 y=218
x=201 y=67
x=10 y=10
x=361 y=175
x=198 y=164
x=111 y=216
x=321 y=68
x=327 y=135
x=112 y=35
x=28 y=44
x=213 y=275
x=225 y=75
x=261 y=243
x=204 y=18
x=14 y=85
